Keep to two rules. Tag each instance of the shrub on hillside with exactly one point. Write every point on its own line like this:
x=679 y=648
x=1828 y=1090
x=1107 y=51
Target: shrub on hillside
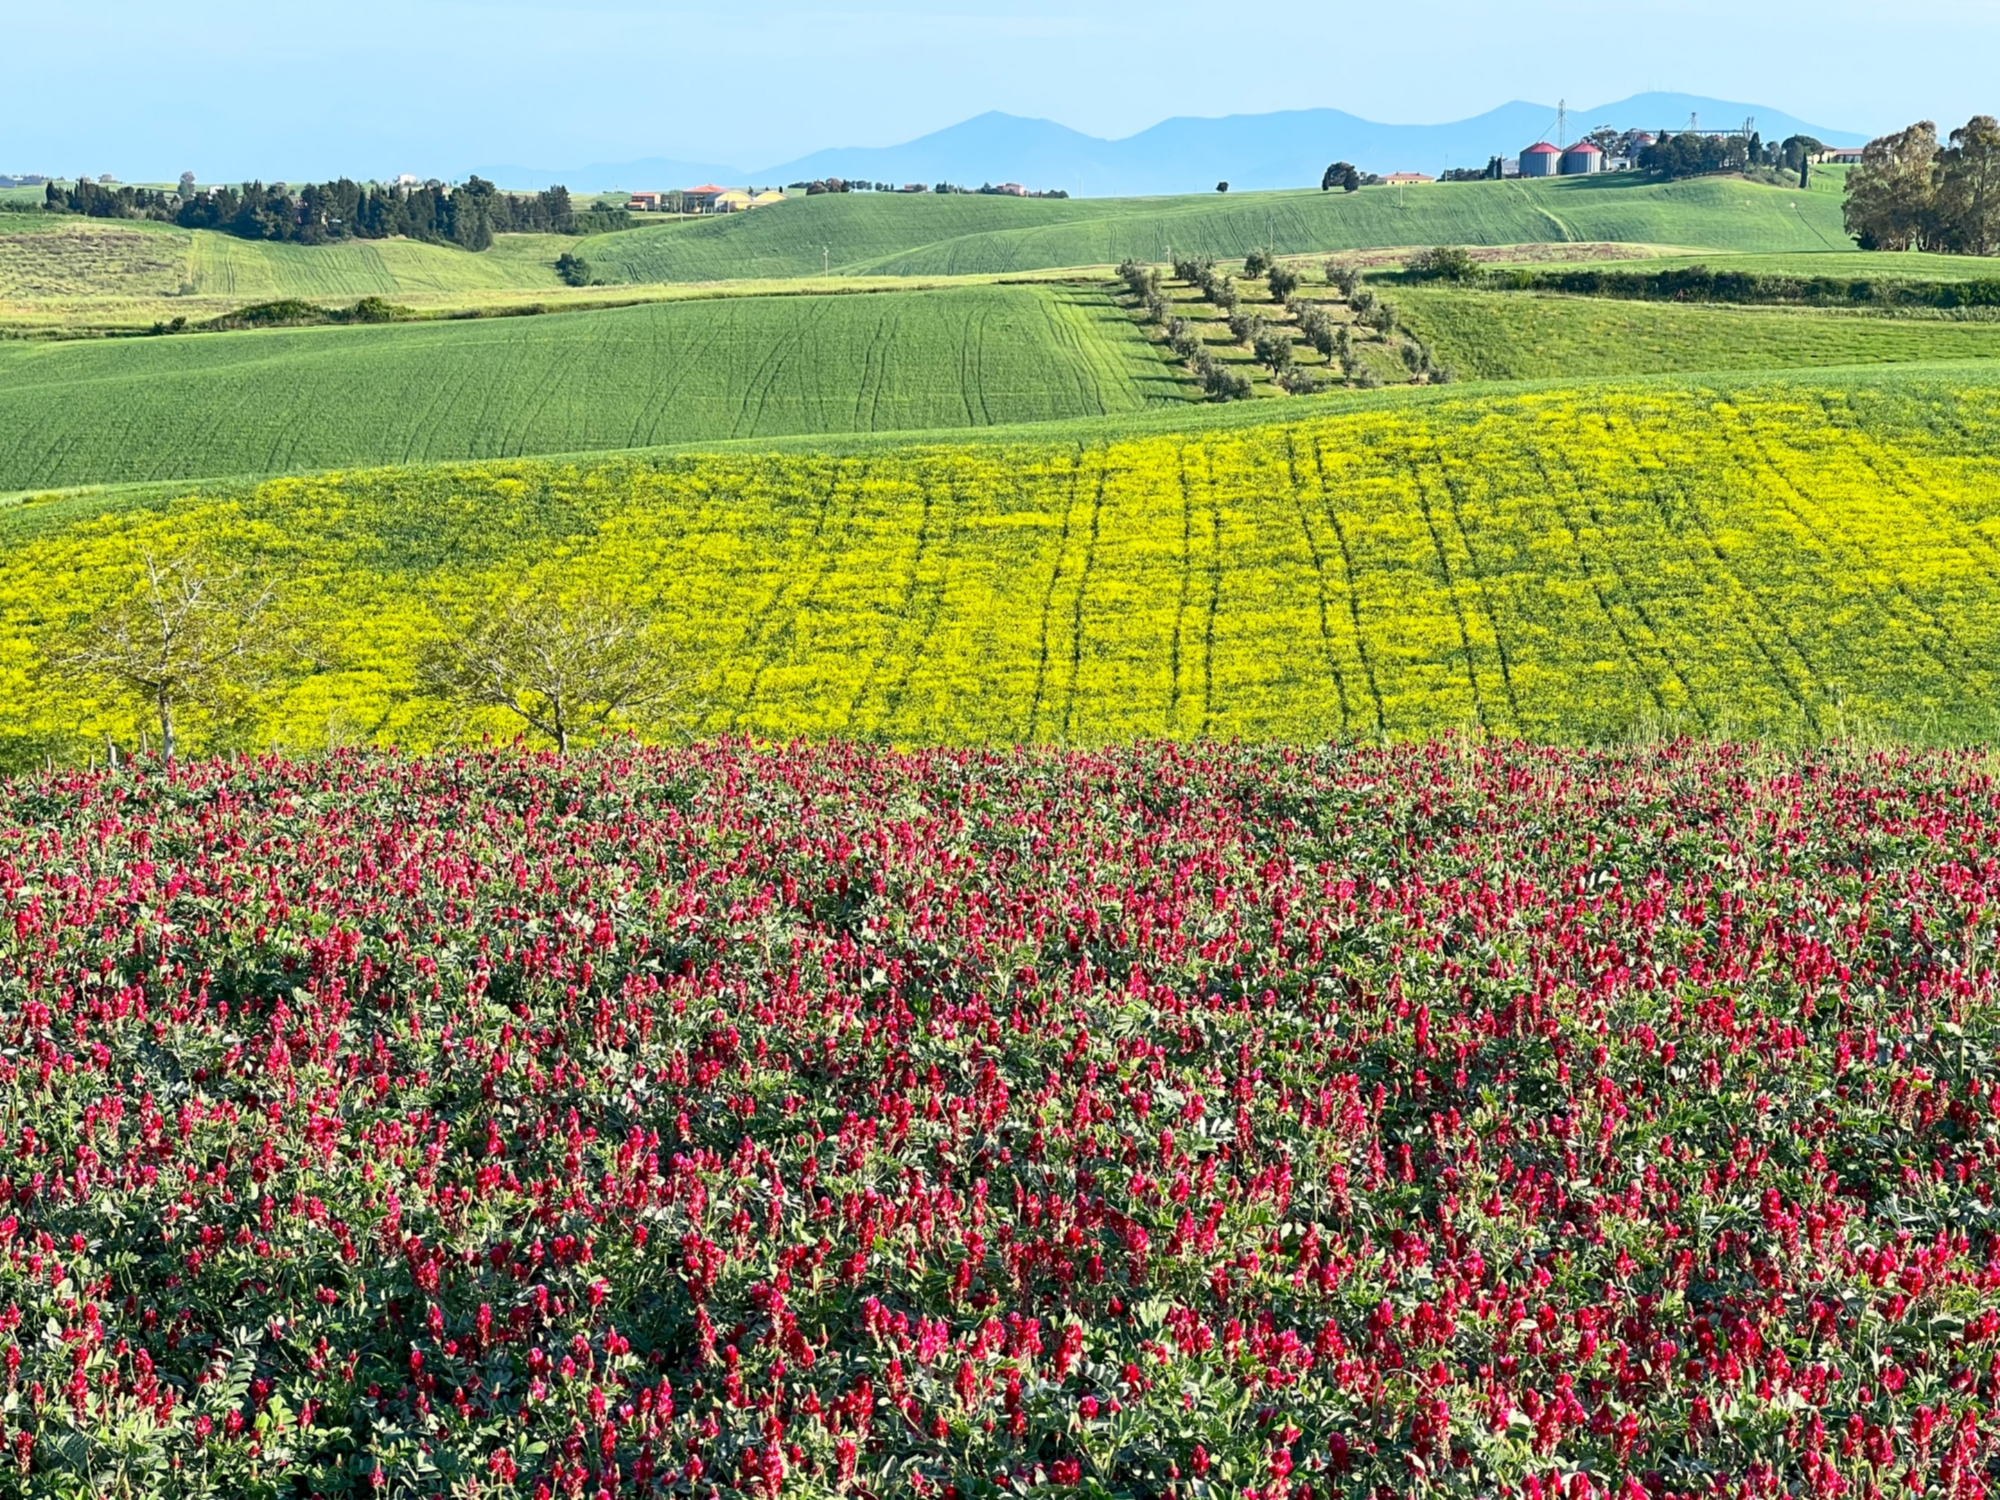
x=1441 y=263
x=1343 y=276
x=1255 y=264
x=1283 y=281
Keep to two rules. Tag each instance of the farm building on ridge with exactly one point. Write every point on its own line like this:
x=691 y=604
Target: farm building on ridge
x=1539 y=160
x=1406 y=179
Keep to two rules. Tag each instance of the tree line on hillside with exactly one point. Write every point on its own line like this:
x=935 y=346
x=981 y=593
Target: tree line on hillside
x=844 y=185
x=1909 y=192
x=1701 y=283
x=468 y=215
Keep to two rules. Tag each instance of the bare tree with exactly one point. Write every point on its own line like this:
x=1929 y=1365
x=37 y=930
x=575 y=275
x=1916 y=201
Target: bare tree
x=190 y=636
x=564 y=666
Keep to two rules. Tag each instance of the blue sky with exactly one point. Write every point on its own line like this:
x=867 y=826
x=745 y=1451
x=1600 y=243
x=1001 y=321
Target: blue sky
x=232 y=88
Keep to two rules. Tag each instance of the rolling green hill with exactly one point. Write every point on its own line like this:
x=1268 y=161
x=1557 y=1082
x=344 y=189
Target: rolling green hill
x=924 y=234
x=1524 y=335
x=1804 y=555
x=250 y=403
x=57 y=270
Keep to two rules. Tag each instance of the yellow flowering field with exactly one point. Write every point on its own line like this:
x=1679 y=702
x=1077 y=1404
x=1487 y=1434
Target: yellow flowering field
x=1794 y=558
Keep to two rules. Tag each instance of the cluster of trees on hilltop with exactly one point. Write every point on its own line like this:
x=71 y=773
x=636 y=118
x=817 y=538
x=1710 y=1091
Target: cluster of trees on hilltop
x=1694 y=154
x=468 y=215
x=1911 y=193
x=844 y=185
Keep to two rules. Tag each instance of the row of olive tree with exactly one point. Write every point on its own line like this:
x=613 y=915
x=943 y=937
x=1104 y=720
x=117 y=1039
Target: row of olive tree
x=193 y=638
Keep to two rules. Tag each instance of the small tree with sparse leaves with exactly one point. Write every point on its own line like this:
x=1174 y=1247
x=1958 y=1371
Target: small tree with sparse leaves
x=566 y=666
x=191 y=636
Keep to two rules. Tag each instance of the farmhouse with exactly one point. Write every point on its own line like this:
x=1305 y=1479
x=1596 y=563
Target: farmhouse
x=701 y=200
x=649 y=203
x=1406 y=179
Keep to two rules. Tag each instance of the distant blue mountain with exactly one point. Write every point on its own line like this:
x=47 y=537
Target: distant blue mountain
x=1289 y=148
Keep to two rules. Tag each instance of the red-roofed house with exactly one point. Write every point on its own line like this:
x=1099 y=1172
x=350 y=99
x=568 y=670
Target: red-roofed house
x=701 y=200
x=1539 y=160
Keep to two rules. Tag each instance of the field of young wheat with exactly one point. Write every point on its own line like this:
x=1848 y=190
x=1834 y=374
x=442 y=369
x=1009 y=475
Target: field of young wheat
x=107 y=410
x=1785 y=558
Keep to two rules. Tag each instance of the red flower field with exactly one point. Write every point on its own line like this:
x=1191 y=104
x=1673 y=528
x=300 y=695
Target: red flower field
x=740 y=1121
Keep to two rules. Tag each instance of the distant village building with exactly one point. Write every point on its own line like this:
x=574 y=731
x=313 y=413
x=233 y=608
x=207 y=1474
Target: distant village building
x=1539 y=160
x=1839 y=156
x=1580 y=159
x=701 y=200
x=1406 y=179
x=1012 y=190
x=646 y=203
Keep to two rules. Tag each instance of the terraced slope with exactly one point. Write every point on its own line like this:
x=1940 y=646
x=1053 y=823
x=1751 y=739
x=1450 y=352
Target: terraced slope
x=252 y=403
x=1521 y=335
x=923 y=234
x=1796 y=556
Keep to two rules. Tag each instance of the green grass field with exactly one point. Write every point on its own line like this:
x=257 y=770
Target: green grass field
x=1805 y=555
x=1526 y=336
x=928 y=235
x=252 y=403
